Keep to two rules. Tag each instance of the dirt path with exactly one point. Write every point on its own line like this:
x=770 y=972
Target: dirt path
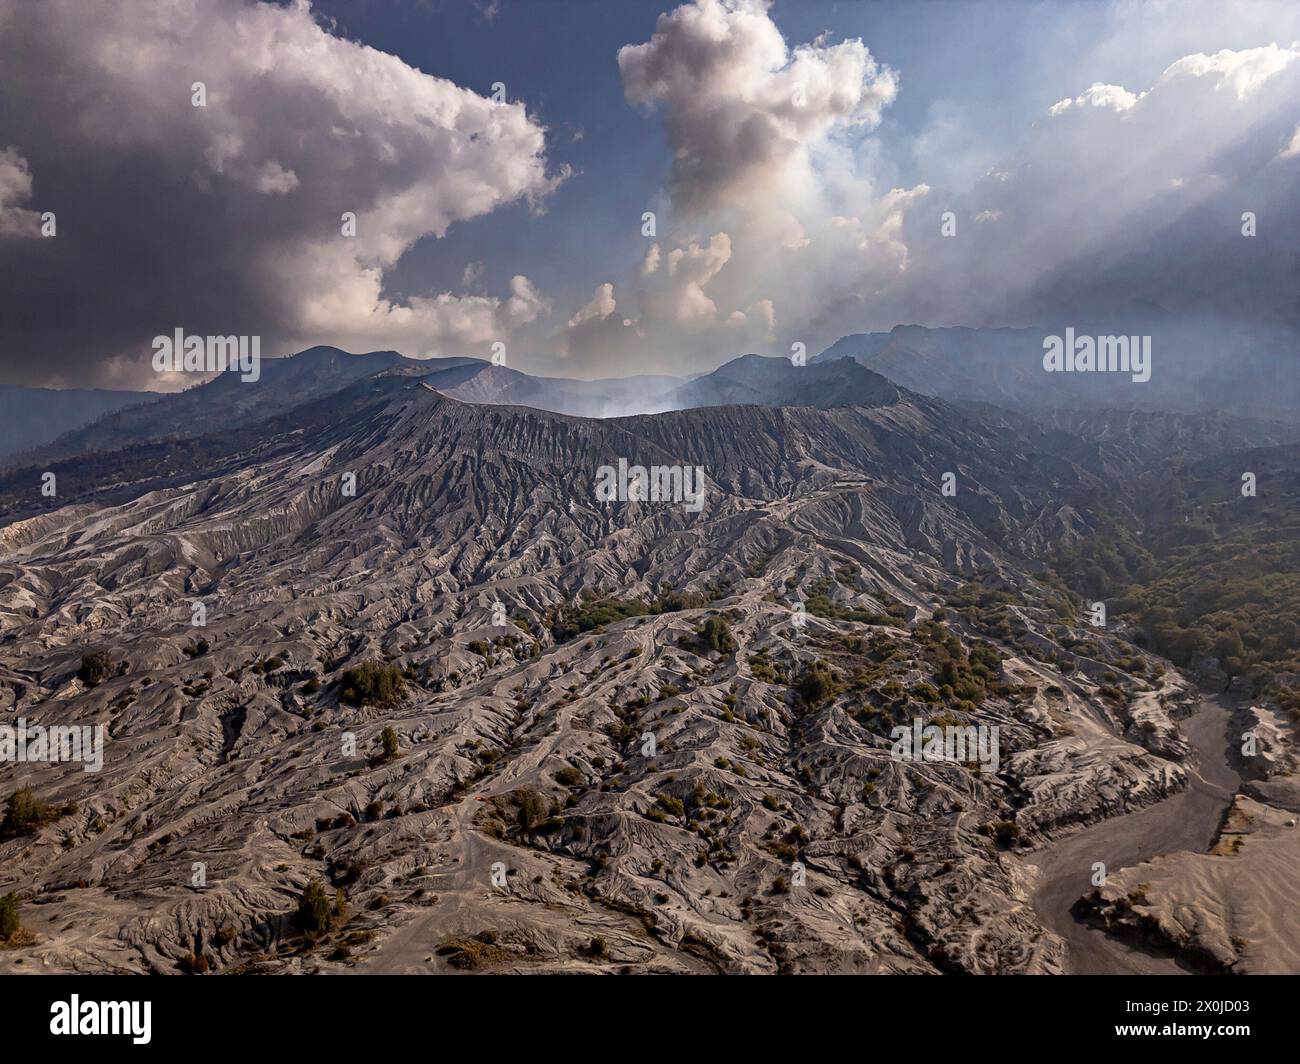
x=405 y=951
x=1187 y=821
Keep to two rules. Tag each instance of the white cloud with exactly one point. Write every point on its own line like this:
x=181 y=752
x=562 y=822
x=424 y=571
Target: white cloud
x=764 y=140
x=1293 y=147
x=601 y=306
x=782 y=219
x=1243 y=71
x=1109 y=202
x=698 y=264
x=15 y=189
x=275 y=180
x=679 y=295
x=676 y=310
x=744 y=114
x=1113 y=97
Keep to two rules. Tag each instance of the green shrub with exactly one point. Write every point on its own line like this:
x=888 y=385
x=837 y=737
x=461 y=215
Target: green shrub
x=96 y=667
x=532 y=810
x=672 y=805
x=372 y=683
x=716 y=635
x=816 y=684
x=595 y=614
x=762 y=668
x=313 y=910
x=10 y=922
x=469 y=954
x=24 y=812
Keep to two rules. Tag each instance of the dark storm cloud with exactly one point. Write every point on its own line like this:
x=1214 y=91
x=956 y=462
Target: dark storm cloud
x=227 y=218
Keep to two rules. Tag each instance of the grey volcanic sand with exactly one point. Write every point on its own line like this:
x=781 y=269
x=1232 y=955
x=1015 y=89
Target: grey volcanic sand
x=1187 y=821
x=225 y=754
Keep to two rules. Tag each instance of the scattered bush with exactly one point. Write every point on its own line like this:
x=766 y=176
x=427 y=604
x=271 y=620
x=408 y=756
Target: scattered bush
x=313 y=916
x=532 y=810
x=24 y=812
x=372 y=683
x=671 y=805
x=471 y=953
x=816 y=683
x=716 y=635
x=10 y=922
x=96 y=667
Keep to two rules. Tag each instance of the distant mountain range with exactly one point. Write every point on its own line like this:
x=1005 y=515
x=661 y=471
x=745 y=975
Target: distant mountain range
x=322 y=381
x=32 y=417
x=1195 y=367
x=226 y=402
